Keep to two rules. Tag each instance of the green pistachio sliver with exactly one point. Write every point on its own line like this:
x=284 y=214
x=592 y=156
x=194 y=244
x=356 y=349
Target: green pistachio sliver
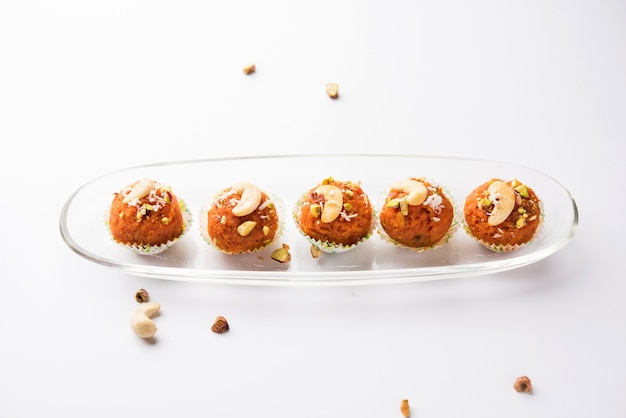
x=245 y=228
x=522 y=189
x=347 y=207
x=315 y=210
x=394 y=203
x=282 y=254
x=404 y=207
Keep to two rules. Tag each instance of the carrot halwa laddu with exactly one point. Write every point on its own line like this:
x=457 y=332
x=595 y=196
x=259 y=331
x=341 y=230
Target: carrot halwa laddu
x=416 y=213
x=242 y=219
x=502 y=215
x=146 y=213
x=335 y=212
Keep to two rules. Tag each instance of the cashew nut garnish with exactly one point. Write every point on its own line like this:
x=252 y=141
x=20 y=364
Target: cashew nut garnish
x=140 y=321
x=416 y=190
x=250 y=198
x=333 y=201
x=139 y=190
x=503 y=198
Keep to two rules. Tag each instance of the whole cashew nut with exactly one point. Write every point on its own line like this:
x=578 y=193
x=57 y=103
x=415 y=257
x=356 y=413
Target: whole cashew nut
x=333 y=201
x=503 y=198
x=140 y=321
x=140 y=189
x=250 y=198
x=416 y=190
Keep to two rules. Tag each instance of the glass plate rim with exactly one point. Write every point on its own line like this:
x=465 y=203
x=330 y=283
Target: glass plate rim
x=337 y=278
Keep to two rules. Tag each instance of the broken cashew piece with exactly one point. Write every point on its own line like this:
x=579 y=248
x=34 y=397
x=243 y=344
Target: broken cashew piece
x=333 y=202
x=503 y=198
x=250 y=198
x=140 y=321
x=415 y=190
x=139 y=190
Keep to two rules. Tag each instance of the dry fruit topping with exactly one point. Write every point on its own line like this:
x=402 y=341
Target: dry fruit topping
x=156 y=194
x=501 y=200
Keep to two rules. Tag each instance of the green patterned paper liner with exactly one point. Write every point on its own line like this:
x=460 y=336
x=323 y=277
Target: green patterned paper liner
x=144 y=249
x=204 y=227
x=444 y=240
x=326 y=246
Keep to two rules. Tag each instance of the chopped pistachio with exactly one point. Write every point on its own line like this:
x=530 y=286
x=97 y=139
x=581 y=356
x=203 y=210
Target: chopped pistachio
x=521 y=222
x=266 y=230
x=394 y=203
x=522 y=190
x=223 y=220
x=282 y=254
x=521 y=210
x=315 y=210
x=404 y=207
x=347 y=206
x=245 y=228
x=349 y=193
x=485 y=202
x=165 y=220
x=328 y=180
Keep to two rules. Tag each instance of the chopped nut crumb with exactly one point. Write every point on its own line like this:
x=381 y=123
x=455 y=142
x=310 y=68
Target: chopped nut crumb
x=315 y=252
x=332 y=89
x=405 y=408
x=282 y=254
x=142 y=296
x=220 y=325
x=523 y=384
x=249 y=69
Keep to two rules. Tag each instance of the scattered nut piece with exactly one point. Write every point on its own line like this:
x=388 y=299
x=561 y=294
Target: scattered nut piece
x=282 y=255
x=140 y=321
x=220 y=325
x=332 y=89
x=142 y=296
x=404 y=408
x=523 y=384
x=315 y=252
x=249 y=69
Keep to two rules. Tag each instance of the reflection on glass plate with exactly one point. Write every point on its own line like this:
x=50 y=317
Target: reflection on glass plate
x=287 y=177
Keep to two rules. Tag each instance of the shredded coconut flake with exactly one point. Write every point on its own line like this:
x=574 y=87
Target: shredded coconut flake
x=435 y=202
x=347 y=217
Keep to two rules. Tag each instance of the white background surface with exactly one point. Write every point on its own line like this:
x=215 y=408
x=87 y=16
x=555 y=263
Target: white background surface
x=87 y=88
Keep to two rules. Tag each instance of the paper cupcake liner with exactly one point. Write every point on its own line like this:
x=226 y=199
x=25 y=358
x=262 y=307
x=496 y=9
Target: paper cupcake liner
x=444 y=240
x=506 y=247
x=203 y=224
x=327 y=246
x=145 y=249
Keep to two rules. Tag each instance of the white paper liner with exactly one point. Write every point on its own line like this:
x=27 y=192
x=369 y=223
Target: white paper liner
x=506 y=247
x=144 y=249
x=326 y=246
x=203 y=223
x=444 y=240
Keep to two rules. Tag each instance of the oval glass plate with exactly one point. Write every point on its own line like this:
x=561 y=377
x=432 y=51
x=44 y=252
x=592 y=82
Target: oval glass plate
x=287 y=177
